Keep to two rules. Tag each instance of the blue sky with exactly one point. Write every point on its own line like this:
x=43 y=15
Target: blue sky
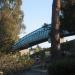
x=36 y=13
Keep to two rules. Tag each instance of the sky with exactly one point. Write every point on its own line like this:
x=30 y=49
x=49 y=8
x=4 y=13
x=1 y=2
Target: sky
x=36 y=13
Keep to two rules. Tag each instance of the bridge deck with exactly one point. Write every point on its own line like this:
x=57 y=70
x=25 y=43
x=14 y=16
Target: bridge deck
x=38 y=36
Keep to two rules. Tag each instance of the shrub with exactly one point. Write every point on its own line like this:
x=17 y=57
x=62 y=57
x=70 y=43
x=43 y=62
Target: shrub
x=62 y=67
x=13 y=63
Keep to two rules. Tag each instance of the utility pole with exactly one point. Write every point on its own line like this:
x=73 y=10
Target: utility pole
x=55 y=34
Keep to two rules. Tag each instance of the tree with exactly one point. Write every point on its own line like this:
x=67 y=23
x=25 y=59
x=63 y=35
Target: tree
x=11 y=18
x=68 y=15
x=55 y=36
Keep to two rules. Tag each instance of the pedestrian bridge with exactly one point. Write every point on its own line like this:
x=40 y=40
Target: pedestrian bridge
x=38 y=36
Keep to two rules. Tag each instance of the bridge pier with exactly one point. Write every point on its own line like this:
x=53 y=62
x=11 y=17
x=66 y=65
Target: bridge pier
x=62 y=40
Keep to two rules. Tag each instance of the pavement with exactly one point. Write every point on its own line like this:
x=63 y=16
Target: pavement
x=32 y=72
x=35 y=71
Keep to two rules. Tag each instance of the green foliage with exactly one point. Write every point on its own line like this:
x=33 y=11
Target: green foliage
x=14 y=63
x=68 y=15
x=62 y=67
x=67 y=46
x=11 y=18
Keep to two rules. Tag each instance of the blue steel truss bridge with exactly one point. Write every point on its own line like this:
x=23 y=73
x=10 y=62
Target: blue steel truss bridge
x=38 y=36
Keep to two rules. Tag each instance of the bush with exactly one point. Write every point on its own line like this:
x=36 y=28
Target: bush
x=62 y=67
x=14 y=63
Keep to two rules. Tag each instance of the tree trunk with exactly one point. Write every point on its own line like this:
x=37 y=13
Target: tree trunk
x=55 y=34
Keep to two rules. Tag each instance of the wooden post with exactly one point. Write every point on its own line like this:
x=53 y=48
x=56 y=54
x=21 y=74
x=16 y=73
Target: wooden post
x=55 y=34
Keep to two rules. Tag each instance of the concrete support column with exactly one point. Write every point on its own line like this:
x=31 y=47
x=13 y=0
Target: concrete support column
x=62 y=40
